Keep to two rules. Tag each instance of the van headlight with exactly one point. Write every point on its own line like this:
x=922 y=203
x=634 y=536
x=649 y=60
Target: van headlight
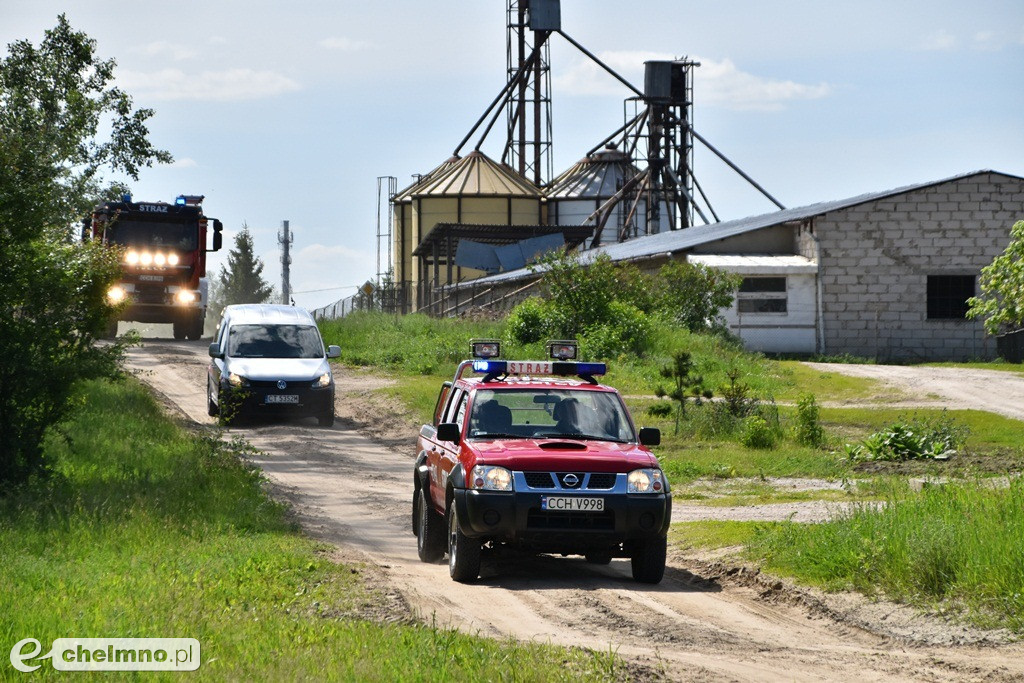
x=236 y=380
x=645 y=481
x=323 y=381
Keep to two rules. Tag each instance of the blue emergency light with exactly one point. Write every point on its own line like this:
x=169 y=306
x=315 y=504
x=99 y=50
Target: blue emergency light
x=496 y=368
x=180 y=200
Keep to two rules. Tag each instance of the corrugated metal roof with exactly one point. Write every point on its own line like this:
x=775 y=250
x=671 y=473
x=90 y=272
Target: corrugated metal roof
x=407 y=193
x=476 y=174
x=756 y=263
x=681 y=240
x=597 y=176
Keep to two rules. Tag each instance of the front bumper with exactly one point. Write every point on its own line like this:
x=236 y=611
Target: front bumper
x=253 y=400
x=517 y=518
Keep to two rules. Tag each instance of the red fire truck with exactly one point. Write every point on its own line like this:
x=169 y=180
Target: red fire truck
x=164 y=261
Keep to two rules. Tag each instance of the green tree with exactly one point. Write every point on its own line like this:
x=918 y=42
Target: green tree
x=1001 y=303
x=693 y=295
x=62 y=125
x=241 y=280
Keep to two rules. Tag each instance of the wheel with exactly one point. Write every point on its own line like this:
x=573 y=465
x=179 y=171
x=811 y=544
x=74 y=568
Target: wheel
x=195 y=327
x=648 y=560
x=111 y=330
x=463 y=551
x=180 y=329
x=599 y=557
x=211 y=408
x=429 y=529
x=326 y=418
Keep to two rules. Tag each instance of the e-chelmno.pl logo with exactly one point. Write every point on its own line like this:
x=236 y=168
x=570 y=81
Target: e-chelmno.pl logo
x=109 y=654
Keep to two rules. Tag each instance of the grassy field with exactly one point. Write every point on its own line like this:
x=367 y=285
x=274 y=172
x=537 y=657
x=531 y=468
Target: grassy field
x=953 y=548
x=148 y=531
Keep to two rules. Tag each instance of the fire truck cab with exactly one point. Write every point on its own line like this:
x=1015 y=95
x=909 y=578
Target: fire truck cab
x=163 y=260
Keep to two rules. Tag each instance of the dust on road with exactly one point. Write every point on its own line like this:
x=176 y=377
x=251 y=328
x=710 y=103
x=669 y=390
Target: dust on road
x=703 y=622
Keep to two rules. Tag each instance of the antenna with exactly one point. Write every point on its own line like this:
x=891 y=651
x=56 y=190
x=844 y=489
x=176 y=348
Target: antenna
x=285 y=239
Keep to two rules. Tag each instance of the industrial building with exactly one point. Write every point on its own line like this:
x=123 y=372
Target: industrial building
x=885 y=274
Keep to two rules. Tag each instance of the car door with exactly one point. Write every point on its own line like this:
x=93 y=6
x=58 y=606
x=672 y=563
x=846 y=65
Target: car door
x=444 y=455
x=216 y=369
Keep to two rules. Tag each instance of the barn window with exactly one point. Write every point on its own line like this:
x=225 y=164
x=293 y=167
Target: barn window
x=762 y=295
x=948 y=295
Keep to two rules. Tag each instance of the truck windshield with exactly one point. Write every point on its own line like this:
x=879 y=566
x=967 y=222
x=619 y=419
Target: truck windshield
x=274 y=341
x=133 y=233
x=549 y=413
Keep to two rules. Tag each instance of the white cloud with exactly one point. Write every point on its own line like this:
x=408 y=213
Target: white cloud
x=162 y=48
x=717 y=82
x=988 y=40
x=939 y=41
x=226 y=85
x=344 y=44
x=183 y=163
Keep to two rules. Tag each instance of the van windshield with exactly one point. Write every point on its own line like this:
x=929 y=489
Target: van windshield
x=274 y=341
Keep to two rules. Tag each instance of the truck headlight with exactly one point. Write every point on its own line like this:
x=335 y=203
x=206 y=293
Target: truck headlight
x=491 y=478
x=645 y=481
x=116 y=294
x=172 y=259
x=323 y=381
x=185 y=296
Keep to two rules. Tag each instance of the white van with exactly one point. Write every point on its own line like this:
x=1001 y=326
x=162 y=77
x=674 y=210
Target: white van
x=270 y=360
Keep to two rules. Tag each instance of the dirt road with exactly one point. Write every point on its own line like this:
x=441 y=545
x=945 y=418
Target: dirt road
x=356 y=493
x=995 y=391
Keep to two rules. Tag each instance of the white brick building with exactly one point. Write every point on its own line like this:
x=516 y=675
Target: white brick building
x=882 y=275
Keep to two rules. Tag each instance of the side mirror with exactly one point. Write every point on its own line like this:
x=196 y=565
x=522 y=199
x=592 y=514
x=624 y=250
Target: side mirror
x=218 y=238
x=215 y=351
x=333 y=351
x=650 y=436
x=449 y=431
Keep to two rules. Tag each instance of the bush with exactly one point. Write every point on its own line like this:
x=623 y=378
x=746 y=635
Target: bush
x=529 y=322
x=757 y=433
x=628 y=331
x=912 y=440
x=808 y=422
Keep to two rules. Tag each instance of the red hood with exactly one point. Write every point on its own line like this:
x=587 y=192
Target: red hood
x=538 y=455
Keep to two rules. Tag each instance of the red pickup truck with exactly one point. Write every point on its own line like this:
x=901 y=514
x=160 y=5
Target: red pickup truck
x=537 y=456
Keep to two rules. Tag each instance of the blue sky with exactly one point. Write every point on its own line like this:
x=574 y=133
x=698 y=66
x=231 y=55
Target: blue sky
x=278 y=112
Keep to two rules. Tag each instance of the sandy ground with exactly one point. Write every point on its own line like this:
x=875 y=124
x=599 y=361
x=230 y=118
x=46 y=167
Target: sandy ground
x=706 y=621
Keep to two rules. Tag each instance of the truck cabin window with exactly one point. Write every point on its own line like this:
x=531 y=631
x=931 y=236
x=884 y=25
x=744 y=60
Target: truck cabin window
x=129 y=233
x=549 y=413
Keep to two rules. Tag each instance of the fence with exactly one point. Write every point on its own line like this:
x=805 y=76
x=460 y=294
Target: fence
x=388 y=298
x=1010 y=346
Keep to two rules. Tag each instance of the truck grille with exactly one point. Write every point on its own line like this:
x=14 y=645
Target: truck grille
x=594 y=480
x=537 y=519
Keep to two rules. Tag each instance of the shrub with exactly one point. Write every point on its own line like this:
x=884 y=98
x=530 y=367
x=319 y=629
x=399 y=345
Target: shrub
x=912 y=440
x=628 y=331
x=529 y=321
x=757 y=433
x=808 y=422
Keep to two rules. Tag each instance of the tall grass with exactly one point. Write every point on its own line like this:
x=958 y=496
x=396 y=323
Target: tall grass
x=147 y=531
x=951 y=547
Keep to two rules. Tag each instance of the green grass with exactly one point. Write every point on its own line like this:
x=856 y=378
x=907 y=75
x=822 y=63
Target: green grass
x=709 y=534
x=981 y=365
x=988 y=430
x=147 y=531
x=799 y=379
x=954 y=548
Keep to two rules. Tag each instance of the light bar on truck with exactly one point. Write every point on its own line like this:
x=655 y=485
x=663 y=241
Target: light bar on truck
x=561 y=368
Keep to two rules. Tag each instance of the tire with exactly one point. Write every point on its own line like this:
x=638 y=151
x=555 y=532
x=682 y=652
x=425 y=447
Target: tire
x=326 y=418
x=648 y=560
x=195 y=327
x=111 y=331
x=599 y=557
x=463 y=551
x=211 y=408
x=180 y=329
x=429 y=529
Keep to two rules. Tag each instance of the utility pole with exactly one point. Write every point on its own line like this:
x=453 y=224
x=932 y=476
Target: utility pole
x=285 y=239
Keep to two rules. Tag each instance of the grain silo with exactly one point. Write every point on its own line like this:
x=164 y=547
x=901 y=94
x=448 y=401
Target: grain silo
x=472 y=190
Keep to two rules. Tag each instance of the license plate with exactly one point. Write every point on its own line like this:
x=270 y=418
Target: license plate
x=282 y=398
x=151 y=278
x=572 y=504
